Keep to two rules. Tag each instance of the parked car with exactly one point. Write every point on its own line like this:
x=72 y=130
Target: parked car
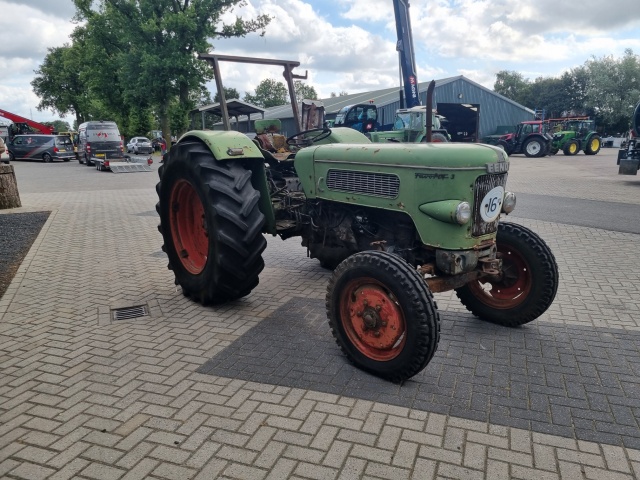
x=4 y=153
x=99 y=138
x=139 y=145
x=41 y=147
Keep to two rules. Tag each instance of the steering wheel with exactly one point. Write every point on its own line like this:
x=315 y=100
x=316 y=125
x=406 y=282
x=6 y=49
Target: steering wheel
x=306 y=138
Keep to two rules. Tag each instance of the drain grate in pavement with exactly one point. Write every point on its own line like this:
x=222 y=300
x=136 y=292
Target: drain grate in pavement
x=129 y=313
x=572 y=381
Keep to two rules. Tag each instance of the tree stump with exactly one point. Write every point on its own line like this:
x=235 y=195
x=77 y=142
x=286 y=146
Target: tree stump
x=9 y=197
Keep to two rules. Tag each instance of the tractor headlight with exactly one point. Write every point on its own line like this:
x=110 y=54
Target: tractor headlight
x=463 y=213
x=509 y=202
x=450 y=211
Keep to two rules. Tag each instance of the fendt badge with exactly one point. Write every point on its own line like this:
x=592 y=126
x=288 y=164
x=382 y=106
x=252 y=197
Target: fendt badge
x=500 y=167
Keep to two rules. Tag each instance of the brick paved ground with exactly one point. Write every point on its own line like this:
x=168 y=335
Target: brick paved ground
x=195 y=392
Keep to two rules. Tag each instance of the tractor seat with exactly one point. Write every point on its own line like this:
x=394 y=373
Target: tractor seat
x=269 y=137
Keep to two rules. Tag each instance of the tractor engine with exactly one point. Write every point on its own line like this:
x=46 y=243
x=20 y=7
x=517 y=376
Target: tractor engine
x=337 y=231
x=332 y=231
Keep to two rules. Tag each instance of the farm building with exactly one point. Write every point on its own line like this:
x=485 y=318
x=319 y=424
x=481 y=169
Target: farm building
x=471 y=110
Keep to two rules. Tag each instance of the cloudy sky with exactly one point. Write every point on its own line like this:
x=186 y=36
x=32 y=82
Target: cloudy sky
x=349 y=45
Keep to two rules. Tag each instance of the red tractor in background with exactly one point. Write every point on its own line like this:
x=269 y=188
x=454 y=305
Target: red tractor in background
x=530 y=138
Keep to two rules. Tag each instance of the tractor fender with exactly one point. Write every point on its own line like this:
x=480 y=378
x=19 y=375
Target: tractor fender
x=224 y=145
x=229 y=145
x=544 y=138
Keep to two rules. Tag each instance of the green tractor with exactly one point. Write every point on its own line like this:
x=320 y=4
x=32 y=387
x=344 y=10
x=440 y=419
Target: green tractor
x=396 y=222
x=409 y=126
x=574 y=135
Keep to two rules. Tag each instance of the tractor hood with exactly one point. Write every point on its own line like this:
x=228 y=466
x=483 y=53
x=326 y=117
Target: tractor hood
x=418 y=156
x=424 y=180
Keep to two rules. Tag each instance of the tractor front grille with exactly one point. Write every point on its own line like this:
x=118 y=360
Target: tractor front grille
x=484 y=184
x=375 y=184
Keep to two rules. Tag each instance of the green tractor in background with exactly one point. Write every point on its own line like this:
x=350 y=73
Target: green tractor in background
x=573 y=135
x=410 y=126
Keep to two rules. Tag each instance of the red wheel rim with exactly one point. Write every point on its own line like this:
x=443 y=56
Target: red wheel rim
x=514 y=286
x=188 y=227
x=372 y=319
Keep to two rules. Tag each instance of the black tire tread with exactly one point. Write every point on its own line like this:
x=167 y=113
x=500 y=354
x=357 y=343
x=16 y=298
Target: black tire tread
x=547 y=289
x=423 y=311
x=239 y=240
x=566 y=151
x=588 y=150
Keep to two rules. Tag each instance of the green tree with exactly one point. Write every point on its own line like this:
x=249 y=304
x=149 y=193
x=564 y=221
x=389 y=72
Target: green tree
x=574 y=90
x=269 y=93
x=59 y=85
x=613 y=89
x=513 y=86
x=151 y=50
x=340 y=94
x=546 y=93
x=229 y=93
x=304 y=91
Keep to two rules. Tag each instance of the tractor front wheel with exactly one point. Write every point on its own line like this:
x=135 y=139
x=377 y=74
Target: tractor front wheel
x=382 y=315
x=211 y=224
x=593 y=145
x=505 y=146
x=528 y=283
x=572 y=147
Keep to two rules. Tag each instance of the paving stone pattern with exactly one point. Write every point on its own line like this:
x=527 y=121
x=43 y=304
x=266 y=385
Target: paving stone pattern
x=568 y=381
x=86 y=397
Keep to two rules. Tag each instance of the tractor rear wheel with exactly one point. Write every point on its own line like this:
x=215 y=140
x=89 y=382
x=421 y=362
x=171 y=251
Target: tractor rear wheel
x=534 y=147
x=528 y=283
x=211 y=224
x=382 y=315
x=593 y=145
x=572 y=147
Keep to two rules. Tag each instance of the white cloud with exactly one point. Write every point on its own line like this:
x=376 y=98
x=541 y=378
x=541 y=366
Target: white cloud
x=26 y=32
x=350 y=58
x=349 y=45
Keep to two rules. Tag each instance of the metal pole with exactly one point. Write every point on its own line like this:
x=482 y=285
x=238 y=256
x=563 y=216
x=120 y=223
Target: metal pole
x=429 y=113
x=226 y=124
x=288 y=75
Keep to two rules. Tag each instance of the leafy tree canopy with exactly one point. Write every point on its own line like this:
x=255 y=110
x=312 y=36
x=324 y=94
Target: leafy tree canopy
x=135 y=61
x=304 y=91
x=606 y=89
x=269 y=93
x=229 y=93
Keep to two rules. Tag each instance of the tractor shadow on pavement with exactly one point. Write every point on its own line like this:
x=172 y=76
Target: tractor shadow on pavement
x=568 y=381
